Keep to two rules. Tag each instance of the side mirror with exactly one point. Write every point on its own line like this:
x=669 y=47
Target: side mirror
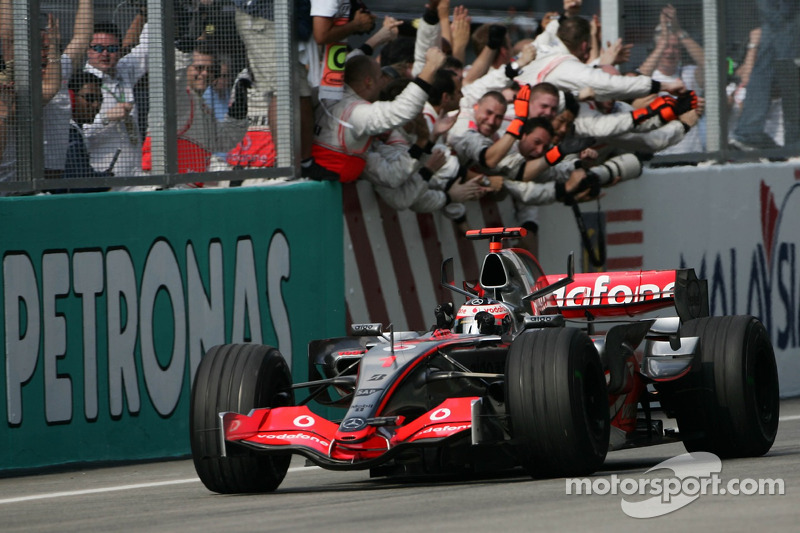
x=448 y=279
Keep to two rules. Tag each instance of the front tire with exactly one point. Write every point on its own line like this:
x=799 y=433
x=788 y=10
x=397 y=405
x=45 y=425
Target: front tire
x=734 y=410
x=557 y=402
x=238 y=378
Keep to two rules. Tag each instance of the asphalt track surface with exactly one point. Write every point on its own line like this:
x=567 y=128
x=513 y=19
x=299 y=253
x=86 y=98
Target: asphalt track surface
x=167 y=496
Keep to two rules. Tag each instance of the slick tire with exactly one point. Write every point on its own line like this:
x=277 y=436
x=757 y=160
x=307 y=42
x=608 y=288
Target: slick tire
x=733 y=410
x=238 y=378
x=557 y=402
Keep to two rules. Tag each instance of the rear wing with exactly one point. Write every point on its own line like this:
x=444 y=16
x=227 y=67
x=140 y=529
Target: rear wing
x=611 y=294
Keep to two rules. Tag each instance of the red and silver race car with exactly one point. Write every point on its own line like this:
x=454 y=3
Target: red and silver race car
x=537 y=371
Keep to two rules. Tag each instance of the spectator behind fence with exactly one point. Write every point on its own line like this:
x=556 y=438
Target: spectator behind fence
x=774 y=70
x=254 y=22
x=58 y=113
x=664 y=65
x=116 y=126
x=51 y=81
x=86 y=94
x=217 y=96
x=200 y=134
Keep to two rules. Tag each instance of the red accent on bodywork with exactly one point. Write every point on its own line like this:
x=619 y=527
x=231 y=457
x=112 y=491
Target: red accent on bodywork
x=407 y=370
x=612 y=293
x=281 y=426
x=625 y=416
x=452 y=416
x=374 y=447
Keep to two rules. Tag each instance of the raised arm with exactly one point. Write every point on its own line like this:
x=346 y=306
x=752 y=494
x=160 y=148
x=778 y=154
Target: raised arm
x=81 y=33
x=444 y=20
x=460 y=29
x=691 y=46
x=649 y=65
x=134 y=32
x=51 y=73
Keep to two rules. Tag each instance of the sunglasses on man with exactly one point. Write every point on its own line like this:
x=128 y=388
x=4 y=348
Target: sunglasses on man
x=99 y=48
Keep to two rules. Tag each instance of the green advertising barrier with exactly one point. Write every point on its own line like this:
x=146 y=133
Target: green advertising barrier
x=110 y=300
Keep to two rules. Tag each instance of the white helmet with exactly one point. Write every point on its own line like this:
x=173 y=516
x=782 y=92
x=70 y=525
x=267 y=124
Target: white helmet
x=483 y=316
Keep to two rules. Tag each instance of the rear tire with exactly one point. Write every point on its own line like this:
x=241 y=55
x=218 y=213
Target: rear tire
x=557 y=402
x=734 y=410
x=238 y=378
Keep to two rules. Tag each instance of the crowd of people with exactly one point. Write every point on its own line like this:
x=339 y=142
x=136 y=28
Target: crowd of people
x=549 y=117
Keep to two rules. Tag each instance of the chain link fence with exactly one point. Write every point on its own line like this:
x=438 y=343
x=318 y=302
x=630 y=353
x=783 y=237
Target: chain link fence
x=741 y=56
x=92 y=97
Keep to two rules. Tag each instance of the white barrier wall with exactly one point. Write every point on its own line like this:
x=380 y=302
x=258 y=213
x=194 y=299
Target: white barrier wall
x=736 y=225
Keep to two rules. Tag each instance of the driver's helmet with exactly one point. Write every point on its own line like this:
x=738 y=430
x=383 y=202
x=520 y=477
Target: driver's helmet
x=484 y=316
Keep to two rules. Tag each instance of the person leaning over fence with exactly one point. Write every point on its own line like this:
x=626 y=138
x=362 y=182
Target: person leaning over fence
x=408 y=176
x=562 y=64
x=116 y=127
x=200 y=134
x=345 y=131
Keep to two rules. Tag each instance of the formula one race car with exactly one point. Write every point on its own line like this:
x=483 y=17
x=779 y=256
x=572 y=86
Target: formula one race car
x=544 y=372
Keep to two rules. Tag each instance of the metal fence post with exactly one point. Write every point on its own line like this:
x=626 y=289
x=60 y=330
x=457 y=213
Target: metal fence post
x=286 y=94
x=610 y=19
x=161 y=66
x=28 y=86
x=715 y=68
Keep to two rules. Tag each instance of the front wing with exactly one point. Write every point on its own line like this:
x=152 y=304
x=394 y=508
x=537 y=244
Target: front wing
x=299 y=430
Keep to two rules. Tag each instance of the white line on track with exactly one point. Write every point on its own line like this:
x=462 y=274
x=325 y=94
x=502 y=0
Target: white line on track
x=51 y=495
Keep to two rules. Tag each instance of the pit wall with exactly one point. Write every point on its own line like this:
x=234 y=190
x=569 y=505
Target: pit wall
x=110 y=300
x=736 y=225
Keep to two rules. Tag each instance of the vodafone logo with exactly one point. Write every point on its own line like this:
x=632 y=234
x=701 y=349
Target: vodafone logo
x=497 y=310
x=303 y=421
x=440 y=414
x=603 y=294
